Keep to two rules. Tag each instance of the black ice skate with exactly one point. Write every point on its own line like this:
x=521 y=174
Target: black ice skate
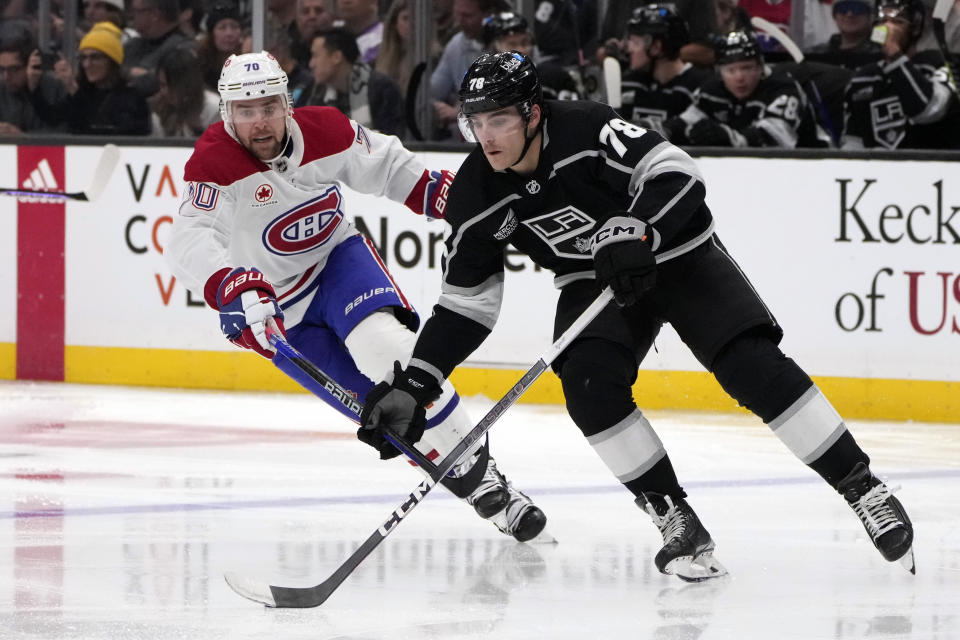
x=491 y=495
x=521 y=519
x=508 y=509
x=687 y=546
x=882 y=515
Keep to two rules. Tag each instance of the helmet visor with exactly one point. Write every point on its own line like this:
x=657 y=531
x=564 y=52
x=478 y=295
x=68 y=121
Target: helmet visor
x=248 y=112
x=479 y=126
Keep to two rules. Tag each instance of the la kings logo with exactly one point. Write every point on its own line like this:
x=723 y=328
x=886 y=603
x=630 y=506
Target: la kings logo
x=889 y=121
x=562 y=230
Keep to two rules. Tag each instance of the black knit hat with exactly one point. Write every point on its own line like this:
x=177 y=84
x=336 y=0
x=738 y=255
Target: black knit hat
x=222 y=11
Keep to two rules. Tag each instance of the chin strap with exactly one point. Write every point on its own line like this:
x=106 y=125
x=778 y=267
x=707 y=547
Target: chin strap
x=529 y=140
x=284 y=145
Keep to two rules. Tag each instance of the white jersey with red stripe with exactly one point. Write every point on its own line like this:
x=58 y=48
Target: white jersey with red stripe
x=285 y=217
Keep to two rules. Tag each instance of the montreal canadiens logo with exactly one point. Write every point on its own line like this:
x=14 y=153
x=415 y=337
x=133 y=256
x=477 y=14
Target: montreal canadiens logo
x=305 y=227
x=264 y=192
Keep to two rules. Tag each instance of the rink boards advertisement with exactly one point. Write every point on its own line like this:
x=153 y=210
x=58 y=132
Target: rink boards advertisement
x=857 y=259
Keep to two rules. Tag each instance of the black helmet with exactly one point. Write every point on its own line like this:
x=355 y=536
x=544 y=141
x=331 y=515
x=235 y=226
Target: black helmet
x=738 y=45
x=502 y=24
x=660 y=21
x=912 y=11
x=499 y=80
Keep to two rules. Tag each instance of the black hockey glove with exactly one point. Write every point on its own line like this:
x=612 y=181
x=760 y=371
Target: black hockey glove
x=398 y=403
x=623 y=258
x=675 y=130
x=710 y=133
x=755 y=137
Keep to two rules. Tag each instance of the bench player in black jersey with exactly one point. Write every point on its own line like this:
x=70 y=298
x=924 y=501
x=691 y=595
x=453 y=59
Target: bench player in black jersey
x=747 y=105
x=658 y=85
x=600 y=201
x=906 y=100
x=509 y=31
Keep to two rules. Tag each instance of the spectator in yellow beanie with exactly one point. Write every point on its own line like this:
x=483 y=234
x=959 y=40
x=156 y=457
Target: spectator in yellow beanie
x=106 y=38
x=99 y=101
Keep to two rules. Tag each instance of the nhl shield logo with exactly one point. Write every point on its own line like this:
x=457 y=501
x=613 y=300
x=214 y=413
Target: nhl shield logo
x=533 y=187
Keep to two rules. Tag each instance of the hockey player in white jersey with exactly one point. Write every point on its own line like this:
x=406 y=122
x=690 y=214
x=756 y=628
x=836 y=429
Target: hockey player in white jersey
x=263 y=232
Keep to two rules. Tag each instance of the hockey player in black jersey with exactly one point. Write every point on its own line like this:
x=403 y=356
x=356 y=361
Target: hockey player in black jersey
x=658 y=85
x=747 y=105
x=602 y=202
x=906 y=100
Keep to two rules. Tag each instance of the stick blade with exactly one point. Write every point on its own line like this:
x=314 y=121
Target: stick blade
x=251 y=589
x=109 y=158
x=942 y=9
x=777 y=34
x=279 y=597
x=611 y=78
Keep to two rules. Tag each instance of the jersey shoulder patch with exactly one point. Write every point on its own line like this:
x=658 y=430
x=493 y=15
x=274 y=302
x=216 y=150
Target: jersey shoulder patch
x=326 y=132
x=219 y=159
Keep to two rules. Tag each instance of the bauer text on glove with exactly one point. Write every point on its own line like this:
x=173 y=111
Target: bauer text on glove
x=246 y=301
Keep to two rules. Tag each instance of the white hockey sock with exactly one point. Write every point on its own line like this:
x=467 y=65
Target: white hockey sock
x=809 y=426
x=379 y=340
x=629 y=448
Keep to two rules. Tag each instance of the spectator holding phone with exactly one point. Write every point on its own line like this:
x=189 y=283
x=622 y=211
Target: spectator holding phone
x=21 y=78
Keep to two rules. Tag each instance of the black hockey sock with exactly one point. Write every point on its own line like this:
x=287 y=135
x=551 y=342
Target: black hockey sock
x=661 y=478
x=840 y=459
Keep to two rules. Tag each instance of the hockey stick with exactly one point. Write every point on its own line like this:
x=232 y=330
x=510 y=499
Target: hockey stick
x=101 y=175
x=791 y=47
x=777 y=34
x=611 y=78
x=940 y=13
x=302 y=597
x=314 y=380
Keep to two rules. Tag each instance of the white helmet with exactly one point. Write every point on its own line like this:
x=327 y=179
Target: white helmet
x=249 y=76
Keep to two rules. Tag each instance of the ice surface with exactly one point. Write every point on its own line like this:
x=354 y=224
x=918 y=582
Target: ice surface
x=122 y=509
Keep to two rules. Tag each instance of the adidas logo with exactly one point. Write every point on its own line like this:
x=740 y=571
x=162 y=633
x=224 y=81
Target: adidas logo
x=40 y=179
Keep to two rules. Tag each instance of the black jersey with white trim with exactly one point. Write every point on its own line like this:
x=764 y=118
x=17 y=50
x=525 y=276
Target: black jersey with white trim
x=593 y=165
x=778 y=108
x=646 y=99
x=907 y=103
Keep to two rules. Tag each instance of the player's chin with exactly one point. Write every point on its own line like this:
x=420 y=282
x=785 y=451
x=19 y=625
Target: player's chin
x=497 y=159
x=265 y=149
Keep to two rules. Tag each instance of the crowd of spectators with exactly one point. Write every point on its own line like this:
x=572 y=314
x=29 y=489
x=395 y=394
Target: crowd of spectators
x=150 y=67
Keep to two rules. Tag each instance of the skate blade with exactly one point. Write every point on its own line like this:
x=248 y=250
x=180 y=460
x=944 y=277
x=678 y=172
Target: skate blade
x=907 y=561
x=543 y=537
x=703 y=567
